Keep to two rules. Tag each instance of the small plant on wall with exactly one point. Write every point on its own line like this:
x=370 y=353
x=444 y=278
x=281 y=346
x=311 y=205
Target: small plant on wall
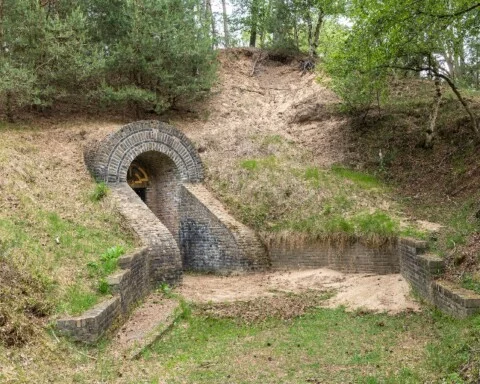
x=100 y=191
x=108 y=263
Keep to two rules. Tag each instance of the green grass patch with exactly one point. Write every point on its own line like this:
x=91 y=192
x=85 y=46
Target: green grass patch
x=269 y=162
x=107 y=263
x=99 y=192
x=362 y=179
x=321 y=346
x=376 y=223
x=249 y=165
x=77 y=300
x=469 y=282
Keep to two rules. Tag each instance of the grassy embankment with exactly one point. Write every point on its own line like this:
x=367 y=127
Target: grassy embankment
x=58 y=237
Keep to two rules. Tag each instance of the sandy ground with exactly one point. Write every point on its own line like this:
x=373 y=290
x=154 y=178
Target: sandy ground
x=155 y=311
x=376 y=293
x=380 y=293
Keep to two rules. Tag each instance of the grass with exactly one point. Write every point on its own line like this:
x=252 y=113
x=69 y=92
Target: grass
x=362 y=179
x=50 y=229
x=321 y=346
x=100 y=191
x=284 y=192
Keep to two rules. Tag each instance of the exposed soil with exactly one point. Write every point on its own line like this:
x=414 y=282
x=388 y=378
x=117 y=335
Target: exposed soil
x=386 y=293
x=154 y=311
x=275 y=98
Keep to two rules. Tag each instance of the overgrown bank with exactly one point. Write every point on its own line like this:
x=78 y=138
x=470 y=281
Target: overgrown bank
x=57 y=239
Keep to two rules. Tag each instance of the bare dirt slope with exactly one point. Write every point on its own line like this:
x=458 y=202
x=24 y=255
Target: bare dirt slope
x=260 y=96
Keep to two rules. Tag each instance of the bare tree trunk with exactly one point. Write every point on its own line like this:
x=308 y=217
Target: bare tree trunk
x=455 y=90
x=9 y=108
x=209 y=15
x=225 y=24
x=430 y=131
x=313 y=45
x=254 y=26
x=308 y=19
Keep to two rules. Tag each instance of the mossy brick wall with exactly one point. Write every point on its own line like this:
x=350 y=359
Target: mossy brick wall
x=350 y=256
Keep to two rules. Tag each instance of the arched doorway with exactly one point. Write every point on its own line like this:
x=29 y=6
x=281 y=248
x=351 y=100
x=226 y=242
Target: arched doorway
x=157 y=181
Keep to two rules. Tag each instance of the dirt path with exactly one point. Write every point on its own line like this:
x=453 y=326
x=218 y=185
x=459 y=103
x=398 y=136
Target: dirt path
x=143 y=324
x=386 y=293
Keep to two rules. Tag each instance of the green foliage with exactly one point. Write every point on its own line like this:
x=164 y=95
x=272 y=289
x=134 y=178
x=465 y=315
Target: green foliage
x=469 y=282
x=461 y=224
x=285 y=27
x=376 y=223
x=108 y=261
x=166 y=289
x=392 y=38
x=100 y=191
x=249 y=165
x=364 y=180
x=116 y=52
x=362 y=346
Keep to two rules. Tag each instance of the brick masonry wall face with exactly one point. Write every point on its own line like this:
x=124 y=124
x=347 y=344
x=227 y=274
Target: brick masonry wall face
x=423 y=271
x=353 y=257
x=181 y=225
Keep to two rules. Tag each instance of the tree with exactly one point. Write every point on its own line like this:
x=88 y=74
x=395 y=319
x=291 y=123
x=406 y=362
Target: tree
x=146 y=54
x=404 y=35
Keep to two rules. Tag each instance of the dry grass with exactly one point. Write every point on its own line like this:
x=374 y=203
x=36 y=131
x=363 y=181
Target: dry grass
x=271 y=142
x=49 y=228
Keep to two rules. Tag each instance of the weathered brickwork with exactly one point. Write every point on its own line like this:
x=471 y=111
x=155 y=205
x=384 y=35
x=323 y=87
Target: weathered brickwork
x=422 y=271
x=180 y=224
x=183 y=227
x=352 y=257
x=211 y=239
x=92 y=324
x=110 y=159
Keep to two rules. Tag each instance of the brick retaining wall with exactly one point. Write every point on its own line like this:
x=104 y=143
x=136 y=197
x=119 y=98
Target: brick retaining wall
x=353 y=256
x=423 y=271
x=182 y=226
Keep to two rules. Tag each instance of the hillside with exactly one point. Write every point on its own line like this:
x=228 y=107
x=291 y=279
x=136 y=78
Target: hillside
x=270 y=124
x=284 y=159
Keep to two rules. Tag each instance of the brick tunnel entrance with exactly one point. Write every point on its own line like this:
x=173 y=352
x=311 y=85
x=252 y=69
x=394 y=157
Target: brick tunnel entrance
x=156 y=180
x=182 y=226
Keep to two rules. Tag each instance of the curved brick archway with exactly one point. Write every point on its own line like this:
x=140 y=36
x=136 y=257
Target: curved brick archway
x=112 y=156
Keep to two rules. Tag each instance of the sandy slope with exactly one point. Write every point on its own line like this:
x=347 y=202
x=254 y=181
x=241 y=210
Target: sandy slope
x=277 y=99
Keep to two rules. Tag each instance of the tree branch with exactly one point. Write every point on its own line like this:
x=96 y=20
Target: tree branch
x=448 y=15
x=452 y=86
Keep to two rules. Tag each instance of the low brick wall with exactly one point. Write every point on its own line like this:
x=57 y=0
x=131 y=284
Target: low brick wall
x=353 y=256
x=129 y=285
x=422 y=271
x=92 y=324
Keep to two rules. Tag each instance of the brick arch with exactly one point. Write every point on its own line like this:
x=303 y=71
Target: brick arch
x=113 y=155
